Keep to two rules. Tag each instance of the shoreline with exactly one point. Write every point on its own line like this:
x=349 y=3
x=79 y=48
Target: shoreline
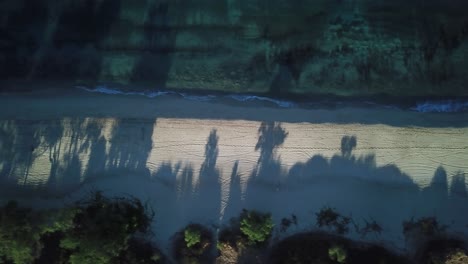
x=222 y=108
x=419 y=103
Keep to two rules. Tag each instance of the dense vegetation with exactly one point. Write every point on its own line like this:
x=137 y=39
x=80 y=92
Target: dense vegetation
x=257 y=227
x=361 y=47
x=105 y=230
x=96 y=230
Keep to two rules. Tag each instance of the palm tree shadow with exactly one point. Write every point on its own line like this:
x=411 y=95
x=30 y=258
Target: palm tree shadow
x=268 y=169
x=347 y=165
x=208 y=189
x=234 y=203
x=130 y=147
x=438 y=188
x=458 y=186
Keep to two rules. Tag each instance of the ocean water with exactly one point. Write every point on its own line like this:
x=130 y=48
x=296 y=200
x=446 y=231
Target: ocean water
x=423 y=106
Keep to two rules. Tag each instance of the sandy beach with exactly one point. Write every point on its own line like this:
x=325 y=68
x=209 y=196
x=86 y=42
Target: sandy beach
x=204 y=161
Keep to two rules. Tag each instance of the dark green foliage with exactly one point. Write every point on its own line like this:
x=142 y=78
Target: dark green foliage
x=328 y=217
x=24 y=232
x=102 y=228
x=20 y=233
x=256 y=226
x=192 y=237
x=193 y=244
x=97 y=230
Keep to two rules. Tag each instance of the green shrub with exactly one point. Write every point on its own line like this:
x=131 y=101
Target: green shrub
x=193 y=244
x=96 y=230
x=20 y=231
x=103 y=227
x=337 y=253
x=256 y=226
x=192 y=236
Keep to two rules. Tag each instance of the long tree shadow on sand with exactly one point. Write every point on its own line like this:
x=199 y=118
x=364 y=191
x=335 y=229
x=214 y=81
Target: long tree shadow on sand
x=208 y=189
x=268 y=174
x=178 y=191
x=189 y=197
x=357 y=185
x=438 y=190
x=458 y=186
x=131 y=143
x=77 y=150
x=348 y=165
x=354 y=184
x=270 y=136
x=22 y=142
x=349 y=182
x=235 y=201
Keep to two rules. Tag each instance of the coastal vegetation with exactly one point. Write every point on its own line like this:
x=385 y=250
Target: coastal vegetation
x=95 y=230
x=256 y=226
x=289 y=47
x=193 y=245
x=104 y=230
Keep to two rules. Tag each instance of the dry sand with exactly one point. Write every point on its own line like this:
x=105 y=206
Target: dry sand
x=192 y=165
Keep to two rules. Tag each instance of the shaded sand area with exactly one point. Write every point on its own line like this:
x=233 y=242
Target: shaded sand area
x=192 y=165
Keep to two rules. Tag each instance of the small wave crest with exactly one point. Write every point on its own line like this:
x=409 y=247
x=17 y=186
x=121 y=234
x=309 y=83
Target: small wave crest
x=446 y=106
x=246 y=98
x=430 y=106
x=106 y=90
x=188 y=96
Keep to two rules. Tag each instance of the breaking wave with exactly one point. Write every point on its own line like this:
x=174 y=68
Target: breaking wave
x=430 y=106
x=445 y=106
x=193 y=97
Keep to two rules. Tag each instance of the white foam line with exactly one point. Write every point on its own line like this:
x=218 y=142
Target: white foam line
x=441 y=107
